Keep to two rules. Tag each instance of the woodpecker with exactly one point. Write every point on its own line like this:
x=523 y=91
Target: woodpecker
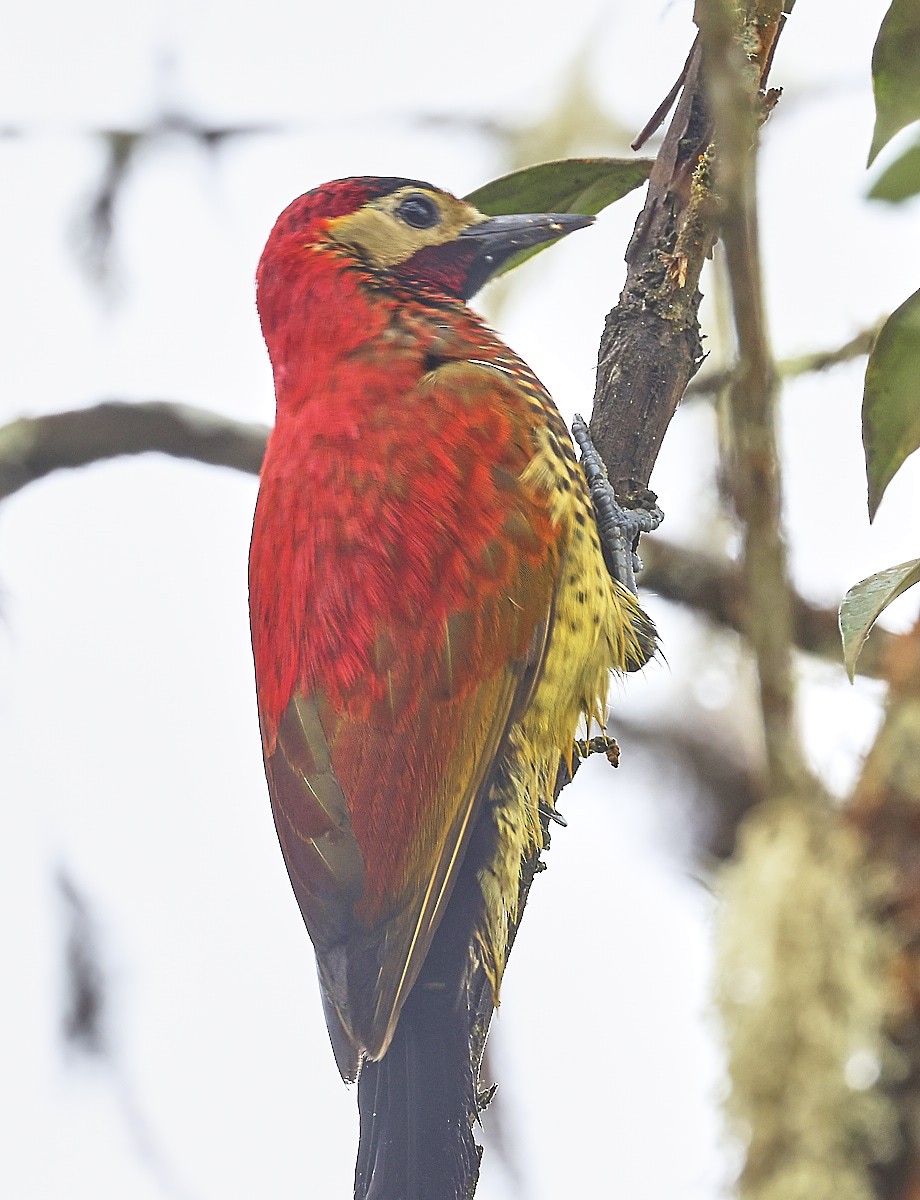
x=432 y=617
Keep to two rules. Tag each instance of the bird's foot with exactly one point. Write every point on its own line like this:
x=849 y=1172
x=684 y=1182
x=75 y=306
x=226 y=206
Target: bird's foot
x=603 y=743
x=582 y=749
x=618 y=526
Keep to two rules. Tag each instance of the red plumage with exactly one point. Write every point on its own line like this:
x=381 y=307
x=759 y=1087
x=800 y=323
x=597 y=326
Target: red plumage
x=418 y=499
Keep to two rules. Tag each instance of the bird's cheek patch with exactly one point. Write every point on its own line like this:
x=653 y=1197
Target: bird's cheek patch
x=379 y=238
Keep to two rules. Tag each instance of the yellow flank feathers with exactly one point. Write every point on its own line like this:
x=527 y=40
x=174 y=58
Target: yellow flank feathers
x=597 y=627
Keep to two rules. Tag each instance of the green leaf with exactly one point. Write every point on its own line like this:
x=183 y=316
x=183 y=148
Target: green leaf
x=891 y=400
x=896 y=73
x=864 y=604
x=901 y=180
x=571 y=185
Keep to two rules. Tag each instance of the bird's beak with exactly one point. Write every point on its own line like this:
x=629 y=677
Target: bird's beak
x=496 y=239
x=505 y=235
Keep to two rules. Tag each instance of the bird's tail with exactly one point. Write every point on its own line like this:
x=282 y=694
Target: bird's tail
x=415 y=1107
x=418 y=1103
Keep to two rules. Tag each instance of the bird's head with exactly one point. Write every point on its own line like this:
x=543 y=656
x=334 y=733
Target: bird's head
x=407 y=233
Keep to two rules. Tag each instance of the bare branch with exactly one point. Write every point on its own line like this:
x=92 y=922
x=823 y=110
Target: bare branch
x=34 y=447
x=714 y=588
x=651 y=343
x=84 y=1023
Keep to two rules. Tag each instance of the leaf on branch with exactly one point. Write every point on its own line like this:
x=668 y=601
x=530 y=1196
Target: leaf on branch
x=571 y=185
x=891 y=399
x=901 y=180
x=896 y=73
x=866 y=601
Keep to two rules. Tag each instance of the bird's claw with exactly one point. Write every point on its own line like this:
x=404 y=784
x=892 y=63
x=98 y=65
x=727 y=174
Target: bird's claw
x=618 y=527
x=551 y=814
x=582 y=749
x=603 y=743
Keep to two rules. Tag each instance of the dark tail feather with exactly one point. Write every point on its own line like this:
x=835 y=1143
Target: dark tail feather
x=415 y=1106
x=418 y=1104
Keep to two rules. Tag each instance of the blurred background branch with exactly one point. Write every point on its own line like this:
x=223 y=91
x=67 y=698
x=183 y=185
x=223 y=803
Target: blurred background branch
x=31 y=448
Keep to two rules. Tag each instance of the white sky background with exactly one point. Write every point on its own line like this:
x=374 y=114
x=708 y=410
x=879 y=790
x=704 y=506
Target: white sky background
x=130 y=750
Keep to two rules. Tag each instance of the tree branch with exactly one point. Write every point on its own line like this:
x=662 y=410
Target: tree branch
x=710 y=383
x=714 y=588
x=794 y=917
x=735 y=83
x=651 y=345
x=33 y=447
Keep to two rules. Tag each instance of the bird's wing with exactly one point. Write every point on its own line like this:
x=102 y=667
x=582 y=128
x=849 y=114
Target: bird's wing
x=376 y=785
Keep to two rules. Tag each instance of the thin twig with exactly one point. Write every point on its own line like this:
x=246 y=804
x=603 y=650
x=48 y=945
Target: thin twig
x=653 y=124
x=710 y=383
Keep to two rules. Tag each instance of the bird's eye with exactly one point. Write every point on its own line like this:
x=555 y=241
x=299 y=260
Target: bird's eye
x=420 y=212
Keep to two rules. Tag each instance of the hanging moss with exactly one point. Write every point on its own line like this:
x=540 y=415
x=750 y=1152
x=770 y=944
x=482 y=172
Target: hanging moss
x=801 y=989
